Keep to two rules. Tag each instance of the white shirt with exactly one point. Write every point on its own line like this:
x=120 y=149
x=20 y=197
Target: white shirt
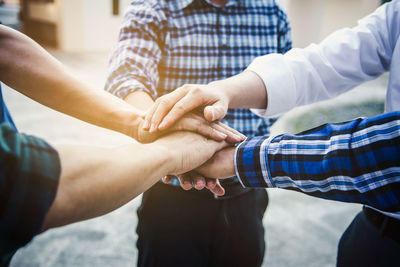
x=345 y=59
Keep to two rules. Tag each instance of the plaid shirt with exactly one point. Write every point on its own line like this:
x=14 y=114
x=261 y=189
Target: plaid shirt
x=30 y=169
x=356 y=161
x=165 y=44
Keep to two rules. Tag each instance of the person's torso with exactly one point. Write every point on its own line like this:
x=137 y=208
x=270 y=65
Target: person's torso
x=393 y=92
x=203 y=43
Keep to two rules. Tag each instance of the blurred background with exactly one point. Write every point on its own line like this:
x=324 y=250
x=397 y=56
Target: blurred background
x=300 y=231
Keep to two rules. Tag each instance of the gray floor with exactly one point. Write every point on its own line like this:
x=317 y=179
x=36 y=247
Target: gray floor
x=300 y=230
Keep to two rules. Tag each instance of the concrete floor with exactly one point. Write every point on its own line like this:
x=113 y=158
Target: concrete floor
x=300 y=230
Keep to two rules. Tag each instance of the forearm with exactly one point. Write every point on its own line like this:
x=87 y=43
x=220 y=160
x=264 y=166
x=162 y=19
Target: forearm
x=345 y=59
x=139 y=100
x=95 y=181
x=245 y=90
x=352 y=162
x=47 y=81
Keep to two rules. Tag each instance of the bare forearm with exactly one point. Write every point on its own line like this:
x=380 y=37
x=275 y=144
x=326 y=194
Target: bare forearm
x=245 y=90
x=139 y=100
x=95 y=181
x=29 y=69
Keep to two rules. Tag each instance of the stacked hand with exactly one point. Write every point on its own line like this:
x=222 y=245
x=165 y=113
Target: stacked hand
x=191 y=121
x=172 y=111
x=169 y=108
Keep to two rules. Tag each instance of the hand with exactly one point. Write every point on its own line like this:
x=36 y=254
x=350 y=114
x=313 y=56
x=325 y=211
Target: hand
x=221 y=165
x=169 y=108
x=190 y=179
x=194 y=123
x=186 y=150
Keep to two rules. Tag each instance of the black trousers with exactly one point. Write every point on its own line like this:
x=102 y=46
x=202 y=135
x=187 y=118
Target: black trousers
x=365 y=244
x=192 y=228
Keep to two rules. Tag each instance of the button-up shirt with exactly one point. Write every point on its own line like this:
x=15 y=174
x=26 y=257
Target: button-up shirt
x=165 y=44
x=357 y=161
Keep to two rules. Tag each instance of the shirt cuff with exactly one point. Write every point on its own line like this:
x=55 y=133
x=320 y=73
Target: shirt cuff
x=251 y=162
x=279 y=83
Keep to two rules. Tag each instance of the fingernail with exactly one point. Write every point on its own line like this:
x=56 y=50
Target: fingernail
x=238 y=137
x=162 y=125
x=211 y=185
x=146 y=125
x=222 y=135
x=212 y=114
x=152 y=128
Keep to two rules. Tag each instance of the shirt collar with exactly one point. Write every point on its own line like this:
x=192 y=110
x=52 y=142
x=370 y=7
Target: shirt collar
x=175 y=5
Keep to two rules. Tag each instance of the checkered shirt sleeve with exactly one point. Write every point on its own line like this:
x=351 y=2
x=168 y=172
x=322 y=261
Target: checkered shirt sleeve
x=356 y=161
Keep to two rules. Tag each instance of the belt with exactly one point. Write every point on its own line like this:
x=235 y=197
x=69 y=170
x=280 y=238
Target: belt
x=389 y=226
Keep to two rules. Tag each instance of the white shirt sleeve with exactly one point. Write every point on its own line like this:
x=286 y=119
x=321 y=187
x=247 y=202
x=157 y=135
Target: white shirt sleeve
x=343 y=60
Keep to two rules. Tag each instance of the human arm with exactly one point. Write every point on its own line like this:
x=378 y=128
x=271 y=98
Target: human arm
x=134 y=71
x=343 y=60
x=41 y=188
x=95 y=181
x=29 y=69
x=356 y=161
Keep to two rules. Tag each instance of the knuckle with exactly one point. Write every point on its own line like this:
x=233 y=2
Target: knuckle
x=180 y=107
x=186 y=87
x=196 y=90
x=163 y=102
x=198 y=124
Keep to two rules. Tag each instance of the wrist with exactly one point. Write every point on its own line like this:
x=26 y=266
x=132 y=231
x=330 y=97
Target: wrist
x=223 y=89
x=165 y=157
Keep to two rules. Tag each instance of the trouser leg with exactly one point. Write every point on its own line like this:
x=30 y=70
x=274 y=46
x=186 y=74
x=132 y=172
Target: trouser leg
x=189 y=228
x=363 y=244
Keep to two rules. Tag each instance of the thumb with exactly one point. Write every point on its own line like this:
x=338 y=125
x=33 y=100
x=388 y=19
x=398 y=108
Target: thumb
x=216 y=111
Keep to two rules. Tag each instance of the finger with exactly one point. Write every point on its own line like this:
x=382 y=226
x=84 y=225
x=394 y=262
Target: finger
x=149 y=116
x=167 y=179
x=185 y=105
x=232 y=135
x=218 y=189
x=210 y=183
x=185 y=180
x=198 y=124
x=216 y=112
x=164 y=105
x=199 y=181
x=230 y=129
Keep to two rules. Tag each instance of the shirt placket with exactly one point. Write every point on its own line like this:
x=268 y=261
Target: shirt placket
x=223 y=35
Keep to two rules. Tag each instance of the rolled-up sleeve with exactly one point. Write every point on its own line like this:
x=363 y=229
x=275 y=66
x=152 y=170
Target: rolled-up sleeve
x=343 y=60
x=134 y=60
x=29 y=176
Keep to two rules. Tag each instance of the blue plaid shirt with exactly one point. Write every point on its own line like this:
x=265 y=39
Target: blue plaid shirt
x=165 y=44
x=356 y=161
